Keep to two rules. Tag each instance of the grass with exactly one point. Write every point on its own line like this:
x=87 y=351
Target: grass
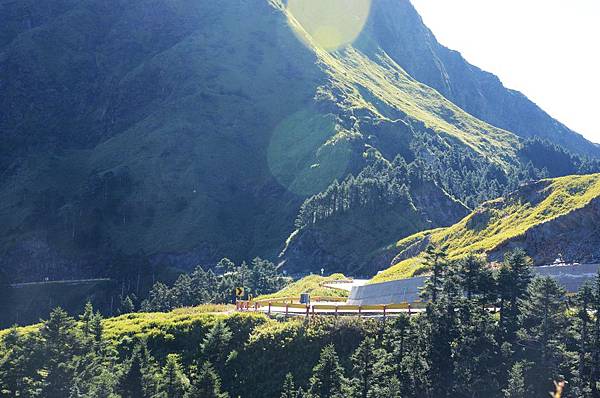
x=312 y=284
x=503 y=219
x=381 y=86
x=403 y=270
x=163 y=325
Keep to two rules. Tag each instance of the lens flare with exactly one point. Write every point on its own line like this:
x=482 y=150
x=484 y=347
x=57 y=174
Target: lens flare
x=328 y=24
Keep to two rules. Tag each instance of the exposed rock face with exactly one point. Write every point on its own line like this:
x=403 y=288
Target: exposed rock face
x=575 y=237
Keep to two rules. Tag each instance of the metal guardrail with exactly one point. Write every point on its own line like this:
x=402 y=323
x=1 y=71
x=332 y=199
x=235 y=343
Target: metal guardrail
x=287 y=306
x=291 y=300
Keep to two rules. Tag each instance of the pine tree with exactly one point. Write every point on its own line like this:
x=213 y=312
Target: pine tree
x=19 y=360
x=475 y=352
x=173 y=383
x=127 y=305
x=395 y=340
x=92 y=330
x=328 y=376
x=215 y=345
x=513 y=279
x=289 y=389
x=134 y=382
x=206 y=384
x=583 y=330
x=543 y=331
x=86 y=320
x=435 y=259
x=103 y=386
x=595 y=371
x=226 y=265
x=60 y=344
x=440 y=334
x=516 y=387
x=367 y=368
x=475 y=277
x=161 y=298
x=392 y=388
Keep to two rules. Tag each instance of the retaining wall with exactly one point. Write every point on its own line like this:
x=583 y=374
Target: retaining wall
x=571 y=277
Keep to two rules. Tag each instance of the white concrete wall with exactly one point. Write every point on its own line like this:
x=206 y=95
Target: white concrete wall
x=571 y=277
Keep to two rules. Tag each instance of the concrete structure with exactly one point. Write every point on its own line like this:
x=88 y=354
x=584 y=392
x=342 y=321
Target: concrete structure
x=571 y=277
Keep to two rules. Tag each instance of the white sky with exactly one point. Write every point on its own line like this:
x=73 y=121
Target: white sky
x=548 y=49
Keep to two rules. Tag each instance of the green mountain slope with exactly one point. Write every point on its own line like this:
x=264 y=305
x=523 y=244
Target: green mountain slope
x=551 y=218
x=345 y=228
x=414 y=47
x=180 y=132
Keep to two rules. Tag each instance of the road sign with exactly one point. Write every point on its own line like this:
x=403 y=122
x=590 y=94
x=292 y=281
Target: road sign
x=239 y=291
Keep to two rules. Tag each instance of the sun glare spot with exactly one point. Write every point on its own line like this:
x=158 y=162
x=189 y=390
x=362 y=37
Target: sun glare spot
x=329 y=24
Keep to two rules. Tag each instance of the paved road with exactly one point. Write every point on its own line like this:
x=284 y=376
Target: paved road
x=61 y=282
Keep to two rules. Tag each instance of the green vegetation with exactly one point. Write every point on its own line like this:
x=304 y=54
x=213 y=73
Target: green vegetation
x=503 y=219
x=29 y=302
x=313 y=284
x=498 y=221
x=390 y=89
x=163 y=327
x=402 y=270
x=200 y=287
x=455 y=348
x=205 y=139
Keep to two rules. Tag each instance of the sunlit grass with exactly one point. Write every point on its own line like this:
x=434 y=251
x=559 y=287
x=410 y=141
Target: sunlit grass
x=499 y=220
x=312 y=284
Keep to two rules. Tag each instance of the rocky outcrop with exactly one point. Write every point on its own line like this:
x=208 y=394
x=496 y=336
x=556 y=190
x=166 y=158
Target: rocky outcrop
x=574 y=237
x=550 y=219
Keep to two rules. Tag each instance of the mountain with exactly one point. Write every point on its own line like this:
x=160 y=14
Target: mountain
x=414 y=47
x=345 y=227
x=549 y=219
x=175 y=133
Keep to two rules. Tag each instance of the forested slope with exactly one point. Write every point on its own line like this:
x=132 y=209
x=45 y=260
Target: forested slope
x=146 y=134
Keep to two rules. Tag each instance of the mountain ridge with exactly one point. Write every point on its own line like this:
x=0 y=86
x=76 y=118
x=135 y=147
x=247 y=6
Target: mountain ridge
x=476 y=91
x=184 y=132
x=549 y=219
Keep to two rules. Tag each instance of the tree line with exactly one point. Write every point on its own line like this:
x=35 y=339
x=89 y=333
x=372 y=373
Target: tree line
x=463 y=174
x=203 y=287
x=457 y=347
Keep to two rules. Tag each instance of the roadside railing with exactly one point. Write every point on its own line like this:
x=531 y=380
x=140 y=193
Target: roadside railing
x=291 y=306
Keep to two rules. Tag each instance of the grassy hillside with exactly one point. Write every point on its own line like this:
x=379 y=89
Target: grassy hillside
x=182 y=132
x=381 y=85
x=147 y=324
x=497 y=222
x=312 y=284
